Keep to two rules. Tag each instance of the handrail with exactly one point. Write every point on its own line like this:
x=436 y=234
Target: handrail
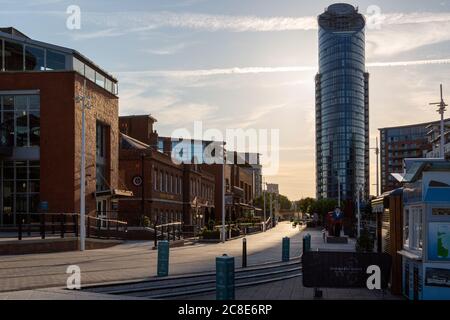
x=25 y=225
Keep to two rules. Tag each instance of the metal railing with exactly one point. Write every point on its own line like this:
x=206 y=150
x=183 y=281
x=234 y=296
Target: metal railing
x=65 y=224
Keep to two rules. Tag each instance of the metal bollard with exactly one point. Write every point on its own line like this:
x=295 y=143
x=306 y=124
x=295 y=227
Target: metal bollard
x=309 y=242
x=225 y=278
x=285 y=249
x=163 y=258
x=244 y=253
x=305 y=243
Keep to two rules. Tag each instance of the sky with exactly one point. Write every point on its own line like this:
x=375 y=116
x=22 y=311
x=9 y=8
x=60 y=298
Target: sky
x=249 y=64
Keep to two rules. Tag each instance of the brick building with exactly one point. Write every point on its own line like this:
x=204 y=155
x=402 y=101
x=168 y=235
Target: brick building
x=40 y=139
x=399 y=143
x=173 y=192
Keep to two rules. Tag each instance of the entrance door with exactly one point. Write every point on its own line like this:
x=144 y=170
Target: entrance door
x=102 y=212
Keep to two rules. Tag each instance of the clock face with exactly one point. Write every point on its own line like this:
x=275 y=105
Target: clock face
x=137 y=181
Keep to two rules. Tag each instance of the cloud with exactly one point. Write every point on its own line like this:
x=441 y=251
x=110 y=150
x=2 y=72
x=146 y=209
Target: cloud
x=168 y=50
x=258 y=70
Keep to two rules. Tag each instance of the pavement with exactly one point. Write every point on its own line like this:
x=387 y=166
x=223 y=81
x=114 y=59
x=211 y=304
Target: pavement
x=136 y=260
x=293 y=289
x=43 y=276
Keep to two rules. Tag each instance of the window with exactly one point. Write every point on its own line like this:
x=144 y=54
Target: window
x=78 y=66
x=34 y=59
x=20 y=189
x=20 y=120
x=55 y=60
x=102 y=176
x=89 y=73
x=99 y=80
x=176 y=184
x=412 y=228
x=161 y=181
x=406 y=227
x=155 y=180
x=13 y=56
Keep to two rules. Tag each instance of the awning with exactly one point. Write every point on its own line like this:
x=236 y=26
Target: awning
x=114 y=193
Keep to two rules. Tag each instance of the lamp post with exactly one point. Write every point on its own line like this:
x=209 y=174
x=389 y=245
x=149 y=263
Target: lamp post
x=85 y=104
x=441 y=110
x=377 y=152
x=223 y=198
x=264 y=205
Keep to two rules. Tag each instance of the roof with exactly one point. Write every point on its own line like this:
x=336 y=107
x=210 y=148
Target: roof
x=13 y=31
x=127 y=142
x=415 y=167
x=423 y=124
x=139 y=116
x=14 y=34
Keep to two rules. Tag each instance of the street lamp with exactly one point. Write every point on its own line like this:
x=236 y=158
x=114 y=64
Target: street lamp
x=85 y=104
x=441 y=110
x=377 y=152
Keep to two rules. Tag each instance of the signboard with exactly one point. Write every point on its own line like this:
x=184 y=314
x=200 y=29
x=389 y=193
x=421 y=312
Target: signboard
x=440 y=211
x=43 y=206
x=229 y=199
x=439 y=241
x=343 y=269
x=435 y=277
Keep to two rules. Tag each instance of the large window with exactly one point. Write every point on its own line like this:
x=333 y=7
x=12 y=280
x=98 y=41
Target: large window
x=13 y=56
x=20 y=120
x=55 y=60
x=20 y=189
x=101 y=157
x=34 y=58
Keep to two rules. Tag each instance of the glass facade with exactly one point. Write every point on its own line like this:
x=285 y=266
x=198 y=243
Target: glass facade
x=20 y=179
x=16 y=55
x=341 y=104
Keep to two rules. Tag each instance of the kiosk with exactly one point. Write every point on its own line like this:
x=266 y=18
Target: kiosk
x=426 y=229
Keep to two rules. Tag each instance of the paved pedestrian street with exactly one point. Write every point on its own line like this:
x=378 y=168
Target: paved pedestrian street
x=137 y=260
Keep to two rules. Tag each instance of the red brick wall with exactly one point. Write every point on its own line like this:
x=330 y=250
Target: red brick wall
x=61 y=135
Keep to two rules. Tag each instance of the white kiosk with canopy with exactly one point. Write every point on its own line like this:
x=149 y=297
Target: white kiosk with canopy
x=426 y=229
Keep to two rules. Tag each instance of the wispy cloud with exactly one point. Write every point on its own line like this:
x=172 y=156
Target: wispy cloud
x=257 y=70
x=168 y=50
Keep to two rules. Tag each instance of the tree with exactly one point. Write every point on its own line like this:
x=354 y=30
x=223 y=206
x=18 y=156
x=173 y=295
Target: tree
x=322 y=207
x=305 y=204
x=285 y=203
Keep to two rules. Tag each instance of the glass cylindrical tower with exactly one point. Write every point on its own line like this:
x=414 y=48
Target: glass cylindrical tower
x=341 y=105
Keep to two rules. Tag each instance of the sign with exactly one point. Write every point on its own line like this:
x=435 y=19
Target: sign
x=343 y=269
x=137 y=181
x=43 y=206
x=437 y=277
x=439 y=241
x=441 y=211
x=229 y=199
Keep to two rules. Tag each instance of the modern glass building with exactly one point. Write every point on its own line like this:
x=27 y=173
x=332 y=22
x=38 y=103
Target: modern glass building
x=342 y=105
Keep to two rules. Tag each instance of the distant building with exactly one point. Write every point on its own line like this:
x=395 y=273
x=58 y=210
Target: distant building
x=342 y=105
x=399 y=143
x=434 y=138
x=173 y=192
